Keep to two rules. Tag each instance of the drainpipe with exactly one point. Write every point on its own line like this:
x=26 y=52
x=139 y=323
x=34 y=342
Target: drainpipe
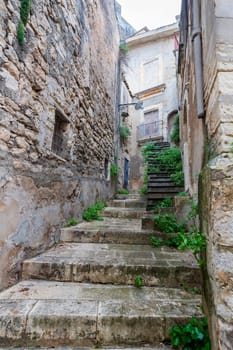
x=197 y=49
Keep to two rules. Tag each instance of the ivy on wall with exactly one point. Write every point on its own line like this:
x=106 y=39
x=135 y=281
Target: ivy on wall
x=25 y=6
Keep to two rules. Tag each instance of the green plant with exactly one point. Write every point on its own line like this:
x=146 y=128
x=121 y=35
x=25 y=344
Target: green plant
x=178 y=178
x=182 y=194
x=195 y=241
x=175 y=135
x=165 y=203
x=138 y=281
x=25 y=10
x=71 y=222
x=114 y=170
x=156 y=242
x=192 y=336
x=25 y=6
x=173 y=241
x=20 y=33
x=124 y=131
x=123 y=191
x=124 y=47
x=168 y=223
x=92 y=213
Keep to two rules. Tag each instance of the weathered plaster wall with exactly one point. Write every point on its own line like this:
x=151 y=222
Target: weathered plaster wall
x=141 y=51
x=212 y=157
x=68 y=63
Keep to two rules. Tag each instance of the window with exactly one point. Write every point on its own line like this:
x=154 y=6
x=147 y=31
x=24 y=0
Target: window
x=60 y=127
x=151 y=116
x=151 y=73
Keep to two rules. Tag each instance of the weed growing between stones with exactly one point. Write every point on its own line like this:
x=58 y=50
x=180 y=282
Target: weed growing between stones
x=138 y=282
x=156 y=242
x=123 y=191
x=71 y=222
x=193 y=335
x=168 y=223
x=93 y=212
x=184 y=239
x=165 y=203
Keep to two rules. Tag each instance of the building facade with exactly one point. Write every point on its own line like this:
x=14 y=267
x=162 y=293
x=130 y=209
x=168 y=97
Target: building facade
x=57 y=121
x=206 y=109
x=149 y=85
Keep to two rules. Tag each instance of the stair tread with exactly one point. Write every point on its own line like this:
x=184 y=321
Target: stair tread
x=114 y=255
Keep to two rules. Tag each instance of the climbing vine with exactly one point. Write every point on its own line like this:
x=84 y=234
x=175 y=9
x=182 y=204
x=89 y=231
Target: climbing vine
x=25 y=7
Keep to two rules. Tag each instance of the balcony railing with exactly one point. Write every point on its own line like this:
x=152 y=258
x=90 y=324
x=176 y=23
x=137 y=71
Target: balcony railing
x=152 y=130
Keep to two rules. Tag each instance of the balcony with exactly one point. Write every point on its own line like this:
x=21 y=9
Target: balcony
x=150 y=131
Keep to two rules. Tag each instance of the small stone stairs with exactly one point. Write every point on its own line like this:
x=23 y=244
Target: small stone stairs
x=81 y=293
x=159 y=185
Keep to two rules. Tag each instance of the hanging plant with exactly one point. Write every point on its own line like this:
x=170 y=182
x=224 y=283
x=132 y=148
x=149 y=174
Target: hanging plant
x=24 y=15
x=124 y=131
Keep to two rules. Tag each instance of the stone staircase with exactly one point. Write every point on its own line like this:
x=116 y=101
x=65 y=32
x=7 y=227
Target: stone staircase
x=81 y=293
x=159 y=185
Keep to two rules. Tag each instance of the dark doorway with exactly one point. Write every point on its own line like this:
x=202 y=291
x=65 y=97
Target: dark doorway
x=126 y=174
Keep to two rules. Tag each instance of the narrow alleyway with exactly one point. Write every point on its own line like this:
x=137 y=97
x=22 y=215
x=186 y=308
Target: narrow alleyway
x=81 y=293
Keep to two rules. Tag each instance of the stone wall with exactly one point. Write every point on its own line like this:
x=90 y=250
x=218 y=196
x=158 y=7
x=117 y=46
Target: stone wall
x=209 y=144
x=67 y=70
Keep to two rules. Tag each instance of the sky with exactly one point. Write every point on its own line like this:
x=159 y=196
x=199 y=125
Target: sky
x=150 y=13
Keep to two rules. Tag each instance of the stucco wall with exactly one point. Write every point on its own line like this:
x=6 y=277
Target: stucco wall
x=68 y=63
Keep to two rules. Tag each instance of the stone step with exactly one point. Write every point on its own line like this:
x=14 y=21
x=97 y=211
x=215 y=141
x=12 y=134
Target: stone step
x=132 y=213
x=129 y=196
x=163 y=184
x=55 y=314
x=160 y=347
x=128 y=203
x=159 y=179
x=173 y=189
x=114 y=263
x=122 y=231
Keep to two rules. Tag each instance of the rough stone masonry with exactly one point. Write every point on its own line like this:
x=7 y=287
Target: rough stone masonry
x=58 y=86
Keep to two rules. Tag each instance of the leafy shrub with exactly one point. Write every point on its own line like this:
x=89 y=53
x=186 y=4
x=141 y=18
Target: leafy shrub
x=92 y=213
x=175 y=135
x=138 y=281
x=178 y=178
x=123 y=191
x=114 y=170
x=182 y=194
x=195 y=241
x=165 y=203
x=20 y=33
x=71 y=222
x=168 y=223
x=193 y=335
x=124 y=131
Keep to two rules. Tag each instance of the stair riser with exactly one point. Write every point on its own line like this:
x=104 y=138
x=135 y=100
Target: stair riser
x=105 y=237
x=45 y=330
x=152 y=275
x=123 y=214
x=166 y=190
x=127 y=204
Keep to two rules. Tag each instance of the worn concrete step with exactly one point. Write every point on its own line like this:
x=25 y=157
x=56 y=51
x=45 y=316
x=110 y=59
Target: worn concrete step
x=128 y=203
x=53 y=314
x=110 y=230
x=162 y=184
x=129 y=196
x=156 y=189
x=133 y=213
x=147 y=222
x=114 y=263
x=160 y=196
x=159 y=179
